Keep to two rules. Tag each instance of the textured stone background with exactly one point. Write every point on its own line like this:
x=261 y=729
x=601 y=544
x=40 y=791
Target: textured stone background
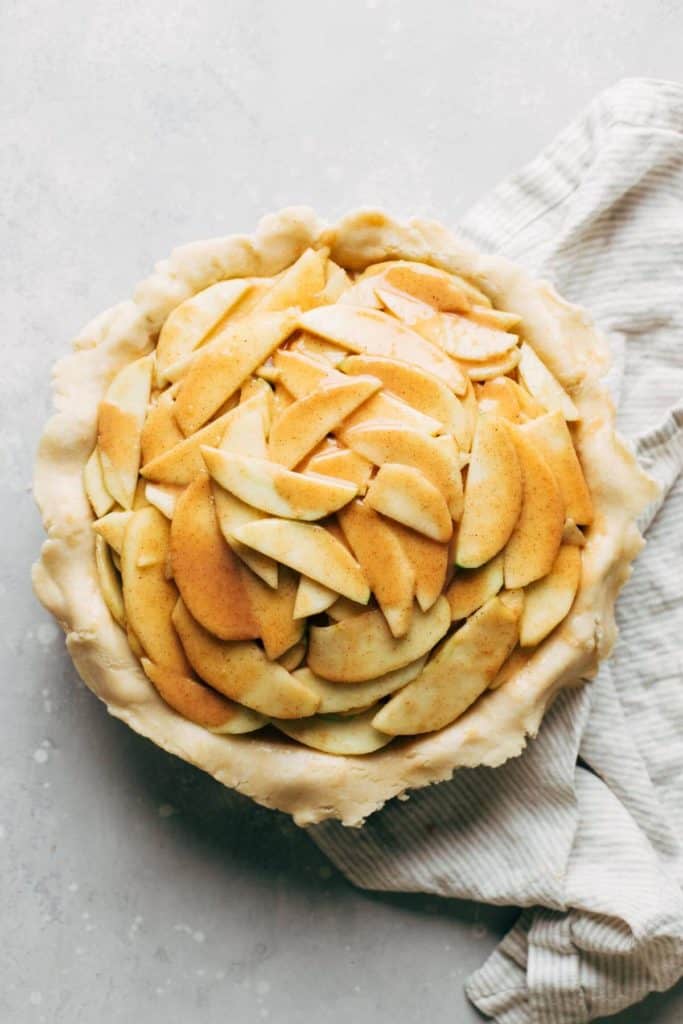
x=133 y=888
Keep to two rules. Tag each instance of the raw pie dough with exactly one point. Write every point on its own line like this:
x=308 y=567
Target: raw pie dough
x=279 y=772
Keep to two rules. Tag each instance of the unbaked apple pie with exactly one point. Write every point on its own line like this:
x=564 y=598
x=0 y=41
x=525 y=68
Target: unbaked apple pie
x=335 y=510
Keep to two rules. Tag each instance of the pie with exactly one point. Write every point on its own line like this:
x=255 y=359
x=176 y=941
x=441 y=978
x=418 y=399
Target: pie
x=334 y=510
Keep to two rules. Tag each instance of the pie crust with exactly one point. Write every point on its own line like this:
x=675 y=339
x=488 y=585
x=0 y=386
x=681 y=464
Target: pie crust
x=309 y=785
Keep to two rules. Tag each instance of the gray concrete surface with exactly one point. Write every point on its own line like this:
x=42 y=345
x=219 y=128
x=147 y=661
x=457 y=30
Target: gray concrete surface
x=133 y=888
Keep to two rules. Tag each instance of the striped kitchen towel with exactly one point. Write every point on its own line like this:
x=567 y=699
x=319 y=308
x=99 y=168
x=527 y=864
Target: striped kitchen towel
x=585 y=829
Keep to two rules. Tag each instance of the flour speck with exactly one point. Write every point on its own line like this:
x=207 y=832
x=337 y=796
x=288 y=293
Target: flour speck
x=40 y=756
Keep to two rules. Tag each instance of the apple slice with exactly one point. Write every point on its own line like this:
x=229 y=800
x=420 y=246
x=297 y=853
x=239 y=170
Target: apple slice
x=336 y=283
x=110 y=584
x=292 y=658
x=385 y=565
x=233 y=513
x=181 y=464
x=493 y=494
x=466 y=339
x=113 y=527
x=549 y=600
x=256 y=387
x=271 y=488
x=310 y=550
x=536 y=538
x=436 y=458
x=95 y=489
x=405 y=494
x=312 y=598
x=338 y=697
x=221 y=366
x=282 y=398
x=496 y=318
x=148 y=596
x=361 y=294
x=459 y=672
x=242 y=672
x=160 y=432
x=347 y=736
x=489 y=368
x=361 y=647
x=305 y=423
x=300 y=373
x=430 y=286
x=471 y=413
x=208 y=575
x=550 y=435
x=345 y=609
x=199 y=703
x=425 y=282
x=499 y=397
x=429 y=560
x=245 y=431
x=119 y=427
x=383 y=408
x=192 y=321
x=543 y=385
x=273 y=610
x=300 y=285
x=472 y=588
x=343 y=464
x=417 y=388
x=164 y=497
x=402 y=306
x=319 y=349
x=368 y=330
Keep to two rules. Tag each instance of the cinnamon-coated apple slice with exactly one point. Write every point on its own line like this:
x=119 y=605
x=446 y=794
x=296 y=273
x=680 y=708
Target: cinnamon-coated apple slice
x=432 y=287
x=343 y=464
x=417 y=388
x=493 y=494
x=200 y=704
x=465 y=339
x=429 y=560
x=376 y=333
x=437 y=458
x=207 y=573
x=459 y=672
x=487 y=369
x=192 y=321
x=273 y=611
x=543 y=384
x=385 y=565
x=308 y=420
x=497 y=318
x=160 y=432
x=113 y=527
x=300 y=285
x=164 y=497
x=182 y=463
x=471 y=588
x=344 y=609
x=536 y=538
x=272 y=488
x=312 y=598
x=317 y=348
x=246 y=430
x=403 y=306
x=233 y=513
x=361 y=647
x=336 y=697
x=148 y=596
x=241 y=671
x=110 y=584
x=385 y=408
x=309 y=549
x=293 y=658
x=301 y=373
x=95 y=489
x=498 y=397
x=337 y=281
x=121 y=416
x=550 y=435
x=571 y=534
x=221 y=366
x=471 y=415
x=405 y=494
x=348 y=736
x=548 y=600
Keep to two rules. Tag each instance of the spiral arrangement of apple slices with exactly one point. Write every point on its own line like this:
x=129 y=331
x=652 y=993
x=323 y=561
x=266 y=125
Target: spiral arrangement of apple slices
x=340 y=505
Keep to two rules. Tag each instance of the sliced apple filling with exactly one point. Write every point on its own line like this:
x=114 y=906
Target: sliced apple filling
x=340 y=505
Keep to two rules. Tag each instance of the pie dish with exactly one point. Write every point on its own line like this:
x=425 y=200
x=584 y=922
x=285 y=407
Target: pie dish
x=334 y=510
